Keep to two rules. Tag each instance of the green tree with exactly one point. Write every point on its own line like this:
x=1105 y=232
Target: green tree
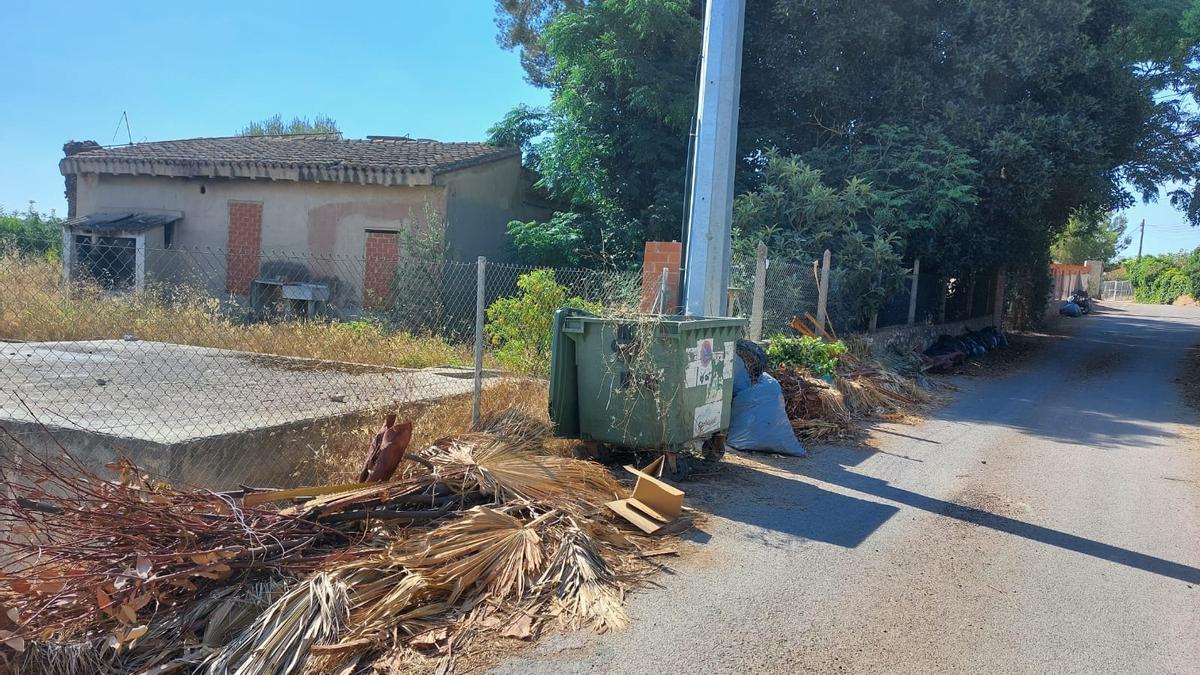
x=551 y=244
x=276 y=126
x=1091 y=235
x=1042 y=108
x=798 y=215
x=31 y=232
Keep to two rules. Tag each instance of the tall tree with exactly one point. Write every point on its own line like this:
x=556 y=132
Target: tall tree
x=276 y=126
x=1091 y=235
x=992 y=122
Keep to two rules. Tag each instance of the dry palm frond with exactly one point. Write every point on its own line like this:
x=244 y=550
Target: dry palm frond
x=514 y=423
x=52 y=657
x=862 y=395
x=506 y=469
x=816 y=429
x=486 y=552
x=281 y=638
x=584 y=588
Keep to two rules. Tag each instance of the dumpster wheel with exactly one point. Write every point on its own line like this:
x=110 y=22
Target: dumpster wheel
x=714 y=448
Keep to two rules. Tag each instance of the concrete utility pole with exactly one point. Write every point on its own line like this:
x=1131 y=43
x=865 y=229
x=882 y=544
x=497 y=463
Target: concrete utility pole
x=1141 y=238
x=706 y=274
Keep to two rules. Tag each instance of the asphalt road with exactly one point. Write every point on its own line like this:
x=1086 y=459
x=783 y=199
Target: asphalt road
x=1048 y=521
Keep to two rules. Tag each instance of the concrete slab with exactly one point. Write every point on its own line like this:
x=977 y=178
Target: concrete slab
x=205 y=416
x=169 y=393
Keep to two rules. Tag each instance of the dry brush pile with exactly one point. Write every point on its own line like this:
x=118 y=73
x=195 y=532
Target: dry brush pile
x=860 y=387
x=485 y=535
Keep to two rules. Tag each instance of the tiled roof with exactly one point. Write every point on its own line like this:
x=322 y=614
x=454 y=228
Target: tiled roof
x=375 y=160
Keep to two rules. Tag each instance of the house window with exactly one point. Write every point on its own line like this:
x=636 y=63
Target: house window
x=110 y=261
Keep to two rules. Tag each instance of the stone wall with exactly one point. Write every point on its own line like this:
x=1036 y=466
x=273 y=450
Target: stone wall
x=908 y=338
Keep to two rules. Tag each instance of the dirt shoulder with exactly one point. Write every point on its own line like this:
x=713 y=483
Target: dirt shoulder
x=1189 y=377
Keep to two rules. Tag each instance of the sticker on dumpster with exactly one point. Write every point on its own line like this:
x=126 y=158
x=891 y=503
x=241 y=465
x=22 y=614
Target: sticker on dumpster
x=703 y=365
x=706 y=418
x=730 y=349
x=694 y=375
x=716 y=390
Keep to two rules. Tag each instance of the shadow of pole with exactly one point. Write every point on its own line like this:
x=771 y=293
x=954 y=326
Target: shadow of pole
x=1045 y=535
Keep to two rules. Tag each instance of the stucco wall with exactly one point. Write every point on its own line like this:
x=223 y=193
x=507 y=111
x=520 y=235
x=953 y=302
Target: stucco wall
x=482 y=200
x=323 y=225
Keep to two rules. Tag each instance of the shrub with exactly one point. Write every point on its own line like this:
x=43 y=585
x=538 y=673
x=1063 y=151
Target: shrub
x=1162 y=279
x=554 y=243
x=31 y=233
x=520 y=326
x=814 y=354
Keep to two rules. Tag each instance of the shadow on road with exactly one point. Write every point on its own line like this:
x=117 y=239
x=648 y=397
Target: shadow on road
x=1107 y=388
x=790 y=505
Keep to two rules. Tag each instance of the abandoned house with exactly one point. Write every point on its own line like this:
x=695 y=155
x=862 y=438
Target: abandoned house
x=239 y=212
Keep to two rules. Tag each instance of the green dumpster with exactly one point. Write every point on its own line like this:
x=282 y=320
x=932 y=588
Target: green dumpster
x=657 y=382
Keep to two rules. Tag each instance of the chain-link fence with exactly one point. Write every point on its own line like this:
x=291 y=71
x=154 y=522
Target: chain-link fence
x=220 y=367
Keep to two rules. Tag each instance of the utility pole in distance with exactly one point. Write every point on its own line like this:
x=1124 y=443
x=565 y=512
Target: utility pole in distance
x=1141 y=238
x=706 y=272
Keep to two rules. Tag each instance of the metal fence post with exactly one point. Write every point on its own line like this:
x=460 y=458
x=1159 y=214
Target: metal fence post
x=760 y=291
x=480 y=301
x=823 y=290
x=912 y=294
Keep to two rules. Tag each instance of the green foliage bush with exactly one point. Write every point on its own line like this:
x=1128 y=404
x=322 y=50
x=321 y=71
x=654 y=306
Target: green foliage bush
x=31 y=233
x=520 y=326
x=814 y=354
x=1160 y=279
x=555 y=243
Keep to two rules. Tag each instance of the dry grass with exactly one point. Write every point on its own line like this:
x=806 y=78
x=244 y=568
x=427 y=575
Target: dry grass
x=342 y=455
x=37 y=306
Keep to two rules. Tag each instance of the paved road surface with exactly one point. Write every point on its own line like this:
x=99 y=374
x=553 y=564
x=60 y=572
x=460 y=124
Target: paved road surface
x=1049 y=521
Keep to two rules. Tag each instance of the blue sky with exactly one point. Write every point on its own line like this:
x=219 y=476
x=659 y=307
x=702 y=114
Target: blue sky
x=427 y=69
x=182 y=70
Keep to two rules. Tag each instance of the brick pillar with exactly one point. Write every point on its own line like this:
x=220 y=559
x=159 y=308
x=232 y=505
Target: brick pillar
x=661 y=255
x=245 y=246
x=383 y=257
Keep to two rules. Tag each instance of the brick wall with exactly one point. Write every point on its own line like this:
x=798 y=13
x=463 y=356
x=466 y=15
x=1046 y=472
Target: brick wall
x=244 y=250
x=383 y=256
x=661 y=255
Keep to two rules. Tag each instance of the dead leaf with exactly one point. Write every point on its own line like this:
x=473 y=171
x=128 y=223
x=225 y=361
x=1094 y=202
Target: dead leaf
x=143 y=567
x=102 y=599
x=129 y=614
x=135 y=633
x=215 y=572
x=49 y=588
x=428 y=639
x=137 y=602
x=185 y=584
x=17 y=644
x=20 y=586
x=520 y=628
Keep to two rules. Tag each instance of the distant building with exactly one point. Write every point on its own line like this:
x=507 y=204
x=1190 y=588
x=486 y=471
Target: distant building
x=317 y=205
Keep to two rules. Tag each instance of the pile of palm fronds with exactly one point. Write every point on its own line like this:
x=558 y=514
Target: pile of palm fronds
x=484 y=534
